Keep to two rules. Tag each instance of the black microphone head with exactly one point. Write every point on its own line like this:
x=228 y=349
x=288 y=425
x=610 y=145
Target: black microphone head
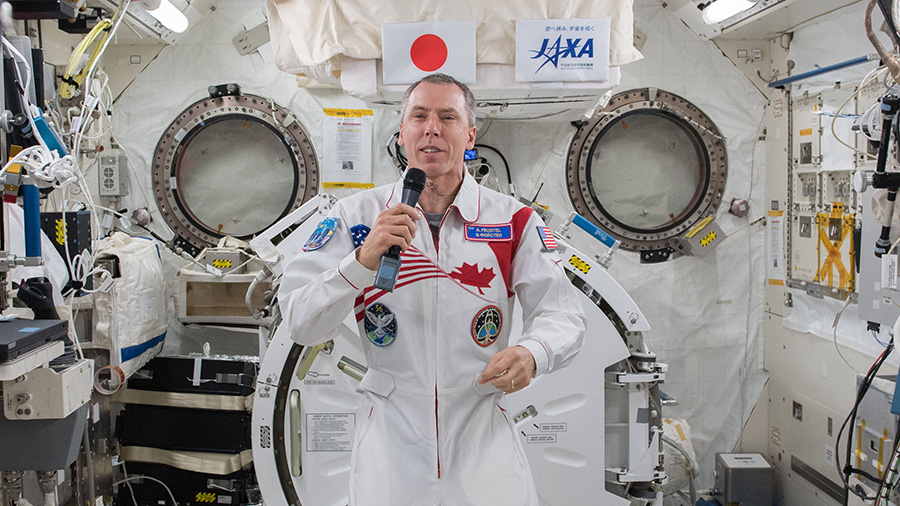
x=414 y=180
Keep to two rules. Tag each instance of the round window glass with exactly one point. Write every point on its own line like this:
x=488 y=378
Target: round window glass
x=235 y=192
x=231 y=165
x=646 y=171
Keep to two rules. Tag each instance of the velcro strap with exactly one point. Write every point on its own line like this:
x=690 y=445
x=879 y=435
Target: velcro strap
x=199 y=462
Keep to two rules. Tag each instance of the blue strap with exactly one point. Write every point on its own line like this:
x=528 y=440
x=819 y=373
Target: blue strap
x=137 y=350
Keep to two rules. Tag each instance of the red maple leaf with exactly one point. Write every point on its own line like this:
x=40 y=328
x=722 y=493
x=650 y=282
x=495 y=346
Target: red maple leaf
x=471 y=275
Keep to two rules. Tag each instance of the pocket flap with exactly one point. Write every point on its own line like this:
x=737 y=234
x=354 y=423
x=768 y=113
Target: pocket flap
x=377 y=382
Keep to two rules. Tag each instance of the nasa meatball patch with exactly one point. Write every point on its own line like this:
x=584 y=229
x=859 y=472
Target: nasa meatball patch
x=380 y=325
x=486 y=326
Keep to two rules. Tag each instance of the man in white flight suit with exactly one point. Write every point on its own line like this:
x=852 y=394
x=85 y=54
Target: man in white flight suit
x=434 y=428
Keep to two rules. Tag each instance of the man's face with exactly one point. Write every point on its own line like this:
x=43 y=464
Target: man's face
x=435 y=129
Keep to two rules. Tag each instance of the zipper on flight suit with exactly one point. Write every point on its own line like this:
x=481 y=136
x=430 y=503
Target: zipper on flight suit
x=437 y=429
x=437 y=432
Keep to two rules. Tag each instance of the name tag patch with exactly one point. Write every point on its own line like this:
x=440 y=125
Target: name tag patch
x=489 y=233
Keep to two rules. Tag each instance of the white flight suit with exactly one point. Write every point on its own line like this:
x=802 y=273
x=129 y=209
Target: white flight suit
x=427 y=433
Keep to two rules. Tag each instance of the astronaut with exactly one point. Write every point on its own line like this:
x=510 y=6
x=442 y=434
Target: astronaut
x=434 y=428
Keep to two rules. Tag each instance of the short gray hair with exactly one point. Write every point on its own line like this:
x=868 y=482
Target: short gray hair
x=442 y=79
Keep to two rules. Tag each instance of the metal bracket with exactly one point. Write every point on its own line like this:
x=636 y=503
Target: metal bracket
x=250 y=40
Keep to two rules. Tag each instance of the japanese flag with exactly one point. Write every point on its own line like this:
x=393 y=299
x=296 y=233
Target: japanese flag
x=411 y=51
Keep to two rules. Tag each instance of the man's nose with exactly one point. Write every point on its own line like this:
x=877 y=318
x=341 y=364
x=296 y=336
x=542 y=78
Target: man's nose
x=432 y=125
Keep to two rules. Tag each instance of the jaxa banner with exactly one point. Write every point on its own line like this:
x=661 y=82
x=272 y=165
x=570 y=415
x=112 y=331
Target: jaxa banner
x=562 y=49
x=410 y=51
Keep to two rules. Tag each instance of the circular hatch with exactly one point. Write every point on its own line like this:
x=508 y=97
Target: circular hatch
x=645 y=169
x=231 y=165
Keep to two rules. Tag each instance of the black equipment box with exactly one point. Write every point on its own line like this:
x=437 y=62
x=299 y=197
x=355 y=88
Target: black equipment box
x=20 y=336
x=76 y=234
x=189 y=488
x=184 y=429
x=196 y=376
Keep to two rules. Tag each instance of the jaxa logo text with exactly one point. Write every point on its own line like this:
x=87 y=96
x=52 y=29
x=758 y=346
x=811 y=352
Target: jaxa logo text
x=570 y=49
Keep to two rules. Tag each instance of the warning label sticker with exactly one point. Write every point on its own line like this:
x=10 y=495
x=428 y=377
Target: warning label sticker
x=541 y=438
x=553 y=427
x=330 y=432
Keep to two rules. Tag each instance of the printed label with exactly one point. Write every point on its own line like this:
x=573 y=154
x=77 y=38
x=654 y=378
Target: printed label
x=330 y=432
x=889 y=271
x=554 y=427
x=318 y=382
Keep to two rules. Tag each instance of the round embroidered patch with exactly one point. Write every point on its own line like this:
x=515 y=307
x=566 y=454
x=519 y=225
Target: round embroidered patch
x=486 y=326
x=380 y=325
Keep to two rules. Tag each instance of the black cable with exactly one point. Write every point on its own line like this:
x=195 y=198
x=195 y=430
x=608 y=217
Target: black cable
x=399 y=158
x=503 y=158
x=152 y=233
x=890 y=104
x=845 y=471
x=885 y=489
x=861 y=392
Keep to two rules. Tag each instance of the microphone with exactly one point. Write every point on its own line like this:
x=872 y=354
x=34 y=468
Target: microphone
x=389 y=266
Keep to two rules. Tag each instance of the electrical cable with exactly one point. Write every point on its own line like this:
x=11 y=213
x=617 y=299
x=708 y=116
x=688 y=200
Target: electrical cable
x=393 y=149
x=692 y=470
x=87 y=104
x=503 y=158
x=847 y=470
x=871 y=76
x=837 y=318
x=152 y=233
x=879 y=341
x=887 y=484
x=141 y=477
x=128 y=484
x=79 y=63
x=167 y=245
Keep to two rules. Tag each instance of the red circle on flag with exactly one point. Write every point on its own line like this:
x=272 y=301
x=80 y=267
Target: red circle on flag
x=428 y=53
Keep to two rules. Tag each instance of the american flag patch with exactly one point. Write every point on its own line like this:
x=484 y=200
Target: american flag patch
x=547 y=238
x=359 y=234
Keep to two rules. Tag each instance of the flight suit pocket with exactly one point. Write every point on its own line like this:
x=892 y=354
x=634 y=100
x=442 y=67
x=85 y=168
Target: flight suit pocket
x=484 y=388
